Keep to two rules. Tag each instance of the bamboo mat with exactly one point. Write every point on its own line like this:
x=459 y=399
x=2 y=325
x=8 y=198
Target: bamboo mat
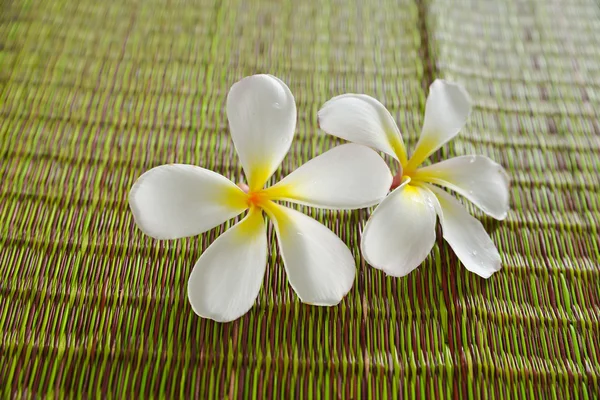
x=93 y=93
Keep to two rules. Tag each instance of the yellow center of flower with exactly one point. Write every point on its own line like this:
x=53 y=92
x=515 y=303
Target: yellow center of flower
x=257 y=199
x=401 y=176
x=262 y=198
x=407 y=170
x=257 y=202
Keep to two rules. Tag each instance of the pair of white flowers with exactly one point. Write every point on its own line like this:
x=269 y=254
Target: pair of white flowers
x=177 y=200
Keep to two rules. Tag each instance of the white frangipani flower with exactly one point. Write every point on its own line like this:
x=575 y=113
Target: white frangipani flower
x=401 y=232
x=175 y=201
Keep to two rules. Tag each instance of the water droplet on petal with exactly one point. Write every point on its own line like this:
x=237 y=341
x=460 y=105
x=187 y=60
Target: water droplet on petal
x=474 y=252
x=472 y=159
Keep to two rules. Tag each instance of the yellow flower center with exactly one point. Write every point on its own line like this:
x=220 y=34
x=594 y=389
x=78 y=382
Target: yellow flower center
x=257 y=199
x=402 y=175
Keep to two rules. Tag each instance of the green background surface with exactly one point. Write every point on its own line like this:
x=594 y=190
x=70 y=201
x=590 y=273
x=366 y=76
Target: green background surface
x=93 y=93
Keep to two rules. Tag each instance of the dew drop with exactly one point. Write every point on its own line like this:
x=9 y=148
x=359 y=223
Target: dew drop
x=472 y=159
x=474 y=252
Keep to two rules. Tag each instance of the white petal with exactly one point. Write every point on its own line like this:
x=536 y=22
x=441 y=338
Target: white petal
x=401 y=232
x=465 y=234
x=262 y=119
x=349 y=176
x=446 y=111
x=226 y=279
x=179 y=200
x=478 y=178
x=319 y=265
x=362 y=119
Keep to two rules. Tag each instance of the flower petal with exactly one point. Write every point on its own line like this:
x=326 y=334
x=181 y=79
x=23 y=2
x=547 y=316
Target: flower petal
x=349 y=176
x=478 y=178
x=262 y=119
x=446 y=111
x=319 y=265
x=227 y=278
x=178 y=200
x=401 y=232
x=466 y=235
x=362 y=119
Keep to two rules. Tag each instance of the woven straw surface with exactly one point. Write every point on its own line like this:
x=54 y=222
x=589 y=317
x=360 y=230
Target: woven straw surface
x=93 y=93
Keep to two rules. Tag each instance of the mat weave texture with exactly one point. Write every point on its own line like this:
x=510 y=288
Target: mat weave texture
x=94 y=93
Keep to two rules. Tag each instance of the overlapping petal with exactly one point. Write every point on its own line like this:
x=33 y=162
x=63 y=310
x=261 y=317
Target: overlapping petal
x=479 y=179
x=446 y=111
x=319 y=266
x=262 y=119
x=227 y=278
x=362 y=119
x=349 y=176
x=401 y=231
x=178 y=200
x=466 y=235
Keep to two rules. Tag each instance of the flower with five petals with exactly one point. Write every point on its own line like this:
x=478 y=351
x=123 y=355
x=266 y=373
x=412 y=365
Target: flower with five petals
x=177 y=200
x=401 y=231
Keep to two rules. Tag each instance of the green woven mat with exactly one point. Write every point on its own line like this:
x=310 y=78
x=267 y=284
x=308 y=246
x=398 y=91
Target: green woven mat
x=93 y=93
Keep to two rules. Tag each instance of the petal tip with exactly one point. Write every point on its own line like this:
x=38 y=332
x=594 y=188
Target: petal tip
x=491 y=272
x=204 y=311
x=322 y=303
x=502 y=216
x=138 y=219
x=455 y=89
x=398 y=271
x=396 y=274
x=332 y=301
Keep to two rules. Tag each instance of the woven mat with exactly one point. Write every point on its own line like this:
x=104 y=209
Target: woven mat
x=93 y=93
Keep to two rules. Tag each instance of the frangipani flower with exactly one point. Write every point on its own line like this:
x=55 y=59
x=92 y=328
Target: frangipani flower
x=401 y=232
x=175 y=201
